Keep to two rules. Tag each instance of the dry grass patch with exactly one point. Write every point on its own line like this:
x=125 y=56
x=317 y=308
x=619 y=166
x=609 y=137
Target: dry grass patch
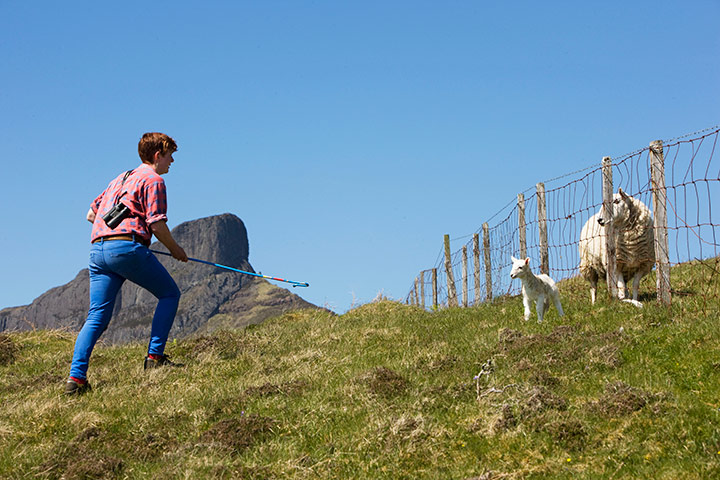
x=539 y=399
x=384 y=382
x=224 y=345
x=7 y=350
x=294 y=387
x=608 y=356
x=238 y=434
x=621 y=399
x=437 y=362
x=406 y=429
x=46 y=379
x=84 y=457
x=507 y=420
x=568 y=432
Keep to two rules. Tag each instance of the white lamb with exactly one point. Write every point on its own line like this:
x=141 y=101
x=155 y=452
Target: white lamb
x=635 y=245
x=539 y=288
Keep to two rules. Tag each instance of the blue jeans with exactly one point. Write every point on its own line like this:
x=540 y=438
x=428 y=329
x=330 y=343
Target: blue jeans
x=111 y=263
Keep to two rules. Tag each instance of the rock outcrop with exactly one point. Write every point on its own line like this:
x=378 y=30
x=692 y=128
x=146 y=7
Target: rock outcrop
x=212 y=298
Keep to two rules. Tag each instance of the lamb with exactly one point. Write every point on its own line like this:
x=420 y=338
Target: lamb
x=635 y=245
x=539 y=288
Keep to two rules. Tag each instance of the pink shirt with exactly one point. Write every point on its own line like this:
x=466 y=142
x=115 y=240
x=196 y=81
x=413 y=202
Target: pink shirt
x=145 y=197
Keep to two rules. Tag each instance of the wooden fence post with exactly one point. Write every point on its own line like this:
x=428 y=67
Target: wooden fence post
x=422 y=289
x=464 y=277
x=488 y=266
x=415 y=292
x=476 y=258
x=662 y=256
x=542 y=225
x=521 y=225
x=434 y=288
x=611 y=248
x=452 y=293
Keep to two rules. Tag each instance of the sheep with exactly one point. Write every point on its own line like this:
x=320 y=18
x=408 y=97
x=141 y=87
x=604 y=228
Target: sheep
x=540 y=288
x=635 y=245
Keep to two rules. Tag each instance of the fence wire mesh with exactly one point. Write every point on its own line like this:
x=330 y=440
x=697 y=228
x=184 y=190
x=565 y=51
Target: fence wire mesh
x=692 y=180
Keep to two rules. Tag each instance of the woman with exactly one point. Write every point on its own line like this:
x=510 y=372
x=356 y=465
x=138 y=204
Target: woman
x=119 y=251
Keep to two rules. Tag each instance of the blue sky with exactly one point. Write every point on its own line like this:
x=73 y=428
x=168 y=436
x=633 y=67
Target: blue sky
x=348 y=136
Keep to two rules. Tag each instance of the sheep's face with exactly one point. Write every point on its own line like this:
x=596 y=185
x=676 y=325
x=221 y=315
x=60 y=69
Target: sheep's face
x=519 y=267
x=621 y=209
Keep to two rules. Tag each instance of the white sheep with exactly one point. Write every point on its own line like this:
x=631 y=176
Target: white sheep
x=635 y=245
x=539 y=288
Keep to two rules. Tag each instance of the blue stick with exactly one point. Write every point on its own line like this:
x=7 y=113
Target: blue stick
x=293 y=283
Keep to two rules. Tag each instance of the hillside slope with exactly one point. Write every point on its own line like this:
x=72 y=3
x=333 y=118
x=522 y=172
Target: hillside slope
x=387 y=391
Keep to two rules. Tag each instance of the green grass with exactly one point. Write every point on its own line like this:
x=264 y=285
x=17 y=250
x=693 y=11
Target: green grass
x=388 y=391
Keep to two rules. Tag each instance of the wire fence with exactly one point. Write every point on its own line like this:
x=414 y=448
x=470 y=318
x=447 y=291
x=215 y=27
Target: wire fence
x=555 y=212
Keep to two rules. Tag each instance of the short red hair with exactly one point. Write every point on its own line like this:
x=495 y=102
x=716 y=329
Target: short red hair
x=152 y=142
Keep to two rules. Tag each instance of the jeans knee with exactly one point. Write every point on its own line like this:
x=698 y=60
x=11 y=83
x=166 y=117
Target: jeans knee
x=174 y=293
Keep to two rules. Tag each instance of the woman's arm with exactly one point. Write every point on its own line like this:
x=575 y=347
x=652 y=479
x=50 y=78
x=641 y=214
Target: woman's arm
x=162 y=233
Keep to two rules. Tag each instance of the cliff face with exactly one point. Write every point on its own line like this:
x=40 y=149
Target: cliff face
x=211 y=297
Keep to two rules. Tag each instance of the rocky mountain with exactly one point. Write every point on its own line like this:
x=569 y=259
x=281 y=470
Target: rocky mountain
x=212 y=298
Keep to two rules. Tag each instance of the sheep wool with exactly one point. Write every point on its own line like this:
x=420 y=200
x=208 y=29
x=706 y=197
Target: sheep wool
x=634 y=239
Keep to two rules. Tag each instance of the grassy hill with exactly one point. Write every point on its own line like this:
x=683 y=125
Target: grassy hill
x=388 y=391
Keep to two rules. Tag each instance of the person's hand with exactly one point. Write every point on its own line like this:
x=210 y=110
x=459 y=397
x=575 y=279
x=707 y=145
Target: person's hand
x=179 y=254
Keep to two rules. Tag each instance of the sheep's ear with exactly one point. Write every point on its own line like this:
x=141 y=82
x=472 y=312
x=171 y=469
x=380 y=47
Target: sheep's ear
x=513 y=259
x=623 y=194
x=527 y=261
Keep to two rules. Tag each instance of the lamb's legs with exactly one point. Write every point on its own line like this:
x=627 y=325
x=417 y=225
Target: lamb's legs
x=540 y=307
x=526 y=304
x=556 y=300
